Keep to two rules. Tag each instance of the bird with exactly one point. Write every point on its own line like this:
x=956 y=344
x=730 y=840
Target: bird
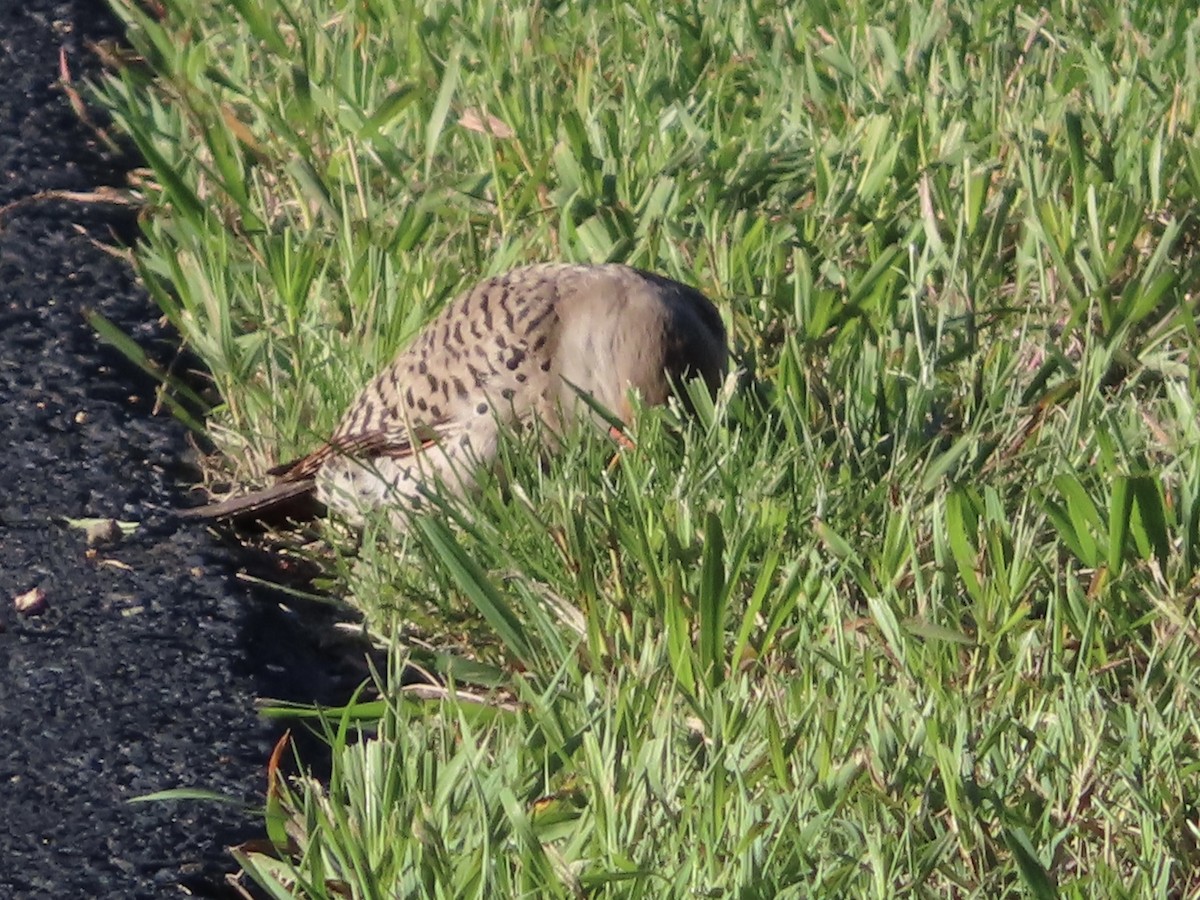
x=555 y=342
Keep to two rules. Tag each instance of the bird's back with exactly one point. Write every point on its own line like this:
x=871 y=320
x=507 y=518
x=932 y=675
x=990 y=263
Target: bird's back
x=504 y=347
x=490 y=347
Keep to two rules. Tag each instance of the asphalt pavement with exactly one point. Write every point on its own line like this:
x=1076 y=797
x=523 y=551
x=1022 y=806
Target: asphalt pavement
x=142 y=669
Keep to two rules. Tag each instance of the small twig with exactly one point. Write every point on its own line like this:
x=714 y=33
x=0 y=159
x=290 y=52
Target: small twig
x=437 y=692
x=68 y=86
x=1030 y=38
x=103 y=195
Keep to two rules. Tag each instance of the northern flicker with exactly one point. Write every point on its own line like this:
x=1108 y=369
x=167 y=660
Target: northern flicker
x=519 y=346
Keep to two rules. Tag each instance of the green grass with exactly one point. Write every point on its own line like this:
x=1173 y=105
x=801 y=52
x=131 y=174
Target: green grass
x=910 y=610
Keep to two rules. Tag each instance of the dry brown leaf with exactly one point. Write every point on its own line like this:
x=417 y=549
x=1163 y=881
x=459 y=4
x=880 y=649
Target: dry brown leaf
x=30 y=603
x=484 y=123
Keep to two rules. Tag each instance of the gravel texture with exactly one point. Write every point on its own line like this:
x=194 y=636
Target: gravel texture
x=142 y=671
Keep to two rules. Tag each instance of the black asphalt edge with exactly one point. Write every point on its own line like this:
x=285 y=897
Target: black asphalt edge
x=142 y=672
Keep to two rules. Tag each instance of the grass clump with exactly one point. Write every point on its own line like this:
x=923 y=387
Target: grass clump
x=912 y=611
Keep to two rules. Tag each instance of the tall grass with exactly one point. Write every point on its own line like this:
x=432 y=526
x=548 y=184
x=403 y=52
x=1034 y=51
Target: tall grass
x=910 y=609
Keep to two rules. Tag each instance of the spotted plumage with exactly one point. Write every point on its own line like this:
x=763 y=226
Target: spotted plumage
x=515 y=347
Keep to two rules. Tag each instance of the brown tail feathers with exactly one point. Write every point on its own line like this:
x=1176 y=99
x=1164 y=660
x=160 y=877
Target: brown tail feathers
x=281 y=502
